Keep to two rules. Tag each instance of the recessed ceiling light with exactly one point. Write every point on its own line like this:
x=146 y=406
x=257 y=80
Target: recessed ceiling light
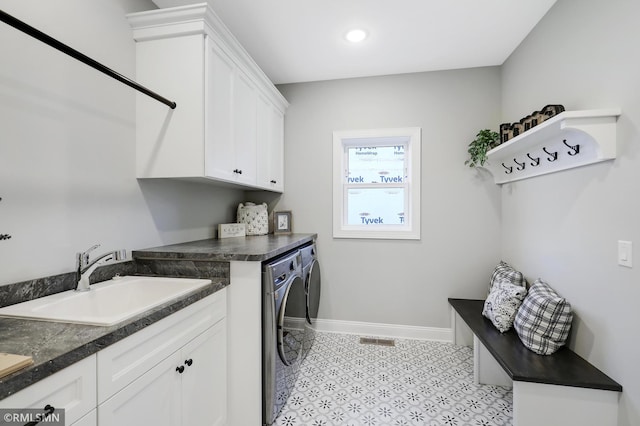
x=356 y=36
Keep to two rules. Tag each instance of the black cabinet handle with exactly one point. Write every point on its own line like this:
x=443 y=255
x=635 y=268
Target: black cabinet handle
x=180 y=369
x=239 y=171
x=48 y=410
x=189 y=362
x=273 y=181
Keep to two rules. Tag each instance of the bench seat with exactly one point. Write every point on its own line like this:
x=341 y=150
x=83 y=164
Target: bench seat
x=562 y=388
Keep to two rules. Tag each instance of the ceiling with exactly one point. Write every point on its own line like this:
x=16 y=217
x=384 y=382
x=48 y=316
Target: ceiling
x=303 y=40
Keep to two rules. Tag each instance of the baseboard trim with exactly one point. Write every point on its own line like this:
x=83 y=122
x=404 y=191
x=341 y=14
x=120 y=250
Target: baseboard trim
x=385 y=330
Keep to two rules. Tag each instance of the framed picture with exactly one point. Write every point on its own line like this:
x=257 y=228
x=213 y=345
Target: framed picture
x=282 y=222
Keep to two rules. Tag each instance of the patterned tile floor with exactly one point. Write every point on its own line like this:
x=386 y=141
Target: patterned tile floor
x=345 y=383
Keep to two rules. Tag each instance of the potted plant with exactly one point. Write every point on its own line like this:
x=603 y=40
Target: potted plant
x=485 y=141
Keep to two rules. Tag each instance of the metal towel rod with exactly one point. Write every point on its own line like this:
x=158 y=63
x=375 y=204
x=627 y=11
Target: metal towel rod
x=35 y=33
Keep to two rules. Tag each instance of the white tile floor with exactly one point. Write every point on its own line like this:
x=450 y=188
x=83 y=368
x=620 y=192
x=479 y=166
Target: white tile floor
x=345 y=383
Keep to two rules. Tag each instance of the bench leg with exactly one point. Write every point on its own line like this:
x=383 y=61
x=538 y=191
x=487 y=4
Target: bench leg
x=536 y=404
x=462 y=335
x=486 y=369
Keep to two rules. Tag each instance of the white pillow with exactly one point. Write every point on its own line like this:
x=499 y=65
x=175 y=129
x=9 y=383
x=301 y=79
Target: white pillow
x=503 y=302
x=544 y=320
x=504 y=271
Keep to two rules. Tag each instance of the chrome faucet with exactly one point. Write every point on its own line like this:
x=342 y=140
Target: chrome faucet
x=86 y=268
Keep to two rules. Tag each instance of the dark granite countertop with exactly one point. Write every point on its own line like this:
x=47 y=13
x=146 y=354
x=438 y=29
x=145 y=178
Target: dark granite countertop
x=56 y=345
x=249 y=248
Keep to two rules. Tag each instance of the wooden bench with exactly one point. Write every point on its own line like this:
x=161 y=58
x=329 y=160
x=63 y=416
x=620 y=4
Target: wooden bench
x=558 y=389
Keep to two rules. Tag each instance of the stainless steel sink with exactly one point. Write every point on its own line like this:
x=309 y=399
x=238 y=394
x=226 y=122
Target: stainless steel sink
x=108 y=302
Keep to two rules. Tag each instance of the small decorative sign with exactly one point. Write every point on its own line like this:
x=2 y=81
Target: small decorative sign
x=511 y=130
x=227 y=230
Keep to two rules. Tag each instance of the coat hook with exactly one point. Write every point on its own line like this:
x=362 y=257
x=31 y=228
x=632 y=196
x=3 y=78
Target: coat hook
x=520 y=165
x=508 y=169
x=575 y=148
x=536 y=161
x=553 y=155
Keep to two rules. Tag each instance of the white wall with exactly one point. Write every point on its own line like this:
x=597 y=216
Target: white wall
x=67 y=146
x=564 y=227
x=398 y=282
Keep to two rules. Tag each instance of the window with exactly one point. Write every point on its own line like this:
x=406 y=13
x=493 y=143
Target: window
x=376 y=183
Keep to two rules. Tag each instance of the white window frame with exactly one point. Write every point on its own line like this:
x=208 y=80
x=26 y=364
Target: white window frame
x=342 y=139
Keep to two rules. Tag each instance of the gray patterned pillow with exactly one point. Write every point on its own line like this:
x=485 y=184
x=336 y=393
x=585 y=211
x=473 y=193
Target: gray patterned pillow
x=502 y=303
x=504 y=271
x=544 y=319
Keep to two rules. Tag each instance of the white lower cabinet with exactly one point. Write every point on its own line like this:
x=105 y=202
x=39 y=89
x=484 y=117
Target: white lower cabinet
x=72 y=389
x=187 y=388
x=172 y=373
x=153 y=399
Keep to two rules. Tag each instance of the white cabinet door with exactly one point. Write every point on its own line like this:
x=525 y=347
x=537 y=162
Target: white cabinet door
x=204 y=382
x=152 y=399
x=126 y=360
x=244 y=128
x=263 y=114
x=219 y=147
x=230 y=149
x=188 y=388
x=276 y=150
x=270 y=146
x=72 y=389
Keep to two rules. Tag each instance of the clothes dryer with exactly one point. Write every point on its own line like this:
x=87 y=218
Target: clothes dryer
x=312 y=286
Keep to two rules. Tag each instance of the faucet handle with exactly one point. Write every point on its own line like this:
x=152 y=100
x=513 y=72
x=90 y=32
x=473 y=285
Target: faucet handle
x=120 y=255
x=91 y=249
x=84 y=256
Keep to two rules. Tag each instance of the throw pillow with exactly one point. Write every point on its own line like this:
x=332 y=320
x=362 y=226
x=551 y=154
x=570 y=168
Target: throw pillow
x=502 y=303
x=504 y=271
x=544 y=319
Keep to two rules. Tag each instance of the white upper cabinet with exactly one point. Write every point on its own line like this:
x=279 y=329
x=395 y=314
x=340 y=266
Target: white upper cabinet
x=270 y=146
x=228 y=123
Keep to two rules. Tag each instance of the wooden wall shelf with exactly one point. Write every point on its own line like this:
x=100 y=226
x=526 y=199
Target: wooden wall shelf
x=570 y=139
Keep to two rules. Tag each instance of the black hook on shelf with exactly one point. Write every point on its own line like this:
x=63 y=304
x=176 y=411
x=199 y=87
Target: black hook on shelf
x=536 y=161
x=508 y=170
x=520 y=165
x=553 y=155
x=574 y=148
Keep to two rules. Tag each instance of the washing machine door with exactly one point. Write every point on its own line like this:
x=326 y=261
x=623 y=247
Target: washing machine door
x=312 y=290
x=291 y=317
